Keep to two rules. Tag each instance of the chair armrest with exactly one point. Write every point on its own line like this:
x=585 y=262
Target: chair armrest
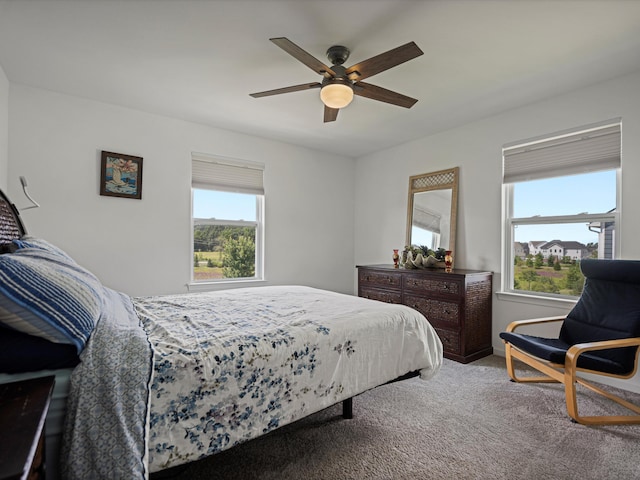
x=519 y=323
x=576 y=350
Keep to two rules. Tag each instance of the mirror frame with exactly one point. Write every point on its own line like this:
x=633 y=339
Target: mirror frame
x=440 y=180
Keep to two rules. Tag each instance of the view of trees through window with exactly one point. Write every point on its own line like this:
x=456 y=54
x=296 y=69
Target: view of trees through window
x=554 y=274
x=224 y=235
x=223 y=252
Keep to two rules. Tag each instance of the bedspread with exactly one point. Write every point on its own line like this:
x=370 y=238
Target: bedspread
x=105 y=428
x=232 y=365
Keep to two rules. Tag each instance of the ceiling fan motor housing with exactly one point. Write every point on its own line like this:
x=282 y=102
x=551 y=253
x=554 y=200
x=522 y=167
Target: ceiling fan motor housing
x=338 y=54
x=341 y=76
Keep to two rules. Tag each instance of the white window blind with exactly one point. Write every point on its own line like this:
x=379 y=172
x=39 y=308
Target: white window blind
x=427 y=220
x=230 y=175
x=588 y=149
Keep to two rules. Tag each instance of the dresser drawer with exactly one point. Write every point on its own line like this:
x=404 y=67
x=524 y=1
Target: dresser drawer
x=371 y=278
x=439 y=312
x=420 y=284
x=450 y=340
x=386 y=296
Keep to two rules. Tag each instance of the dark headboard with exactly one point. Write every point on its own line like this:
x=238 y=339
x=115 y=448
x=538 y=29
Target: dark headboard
x=11 y=226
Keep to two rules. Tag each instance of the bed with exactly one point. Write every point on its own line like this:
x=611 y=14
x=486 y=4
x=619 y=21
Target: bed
x=149 y=383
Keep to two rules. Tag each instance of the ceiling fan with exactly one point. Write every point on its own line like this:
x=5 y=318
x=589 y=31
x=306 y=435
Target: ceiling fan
x=340 y=84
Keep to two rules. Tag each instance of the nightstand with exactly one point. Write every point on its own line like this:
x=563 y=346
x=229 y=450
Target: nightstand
x=23 y=408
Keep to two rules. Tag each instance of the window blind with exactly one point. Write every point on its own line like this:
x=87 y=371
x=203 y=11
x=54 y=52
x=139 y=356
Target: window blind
x=583 y=150
x=426 y=220
x=219 y=173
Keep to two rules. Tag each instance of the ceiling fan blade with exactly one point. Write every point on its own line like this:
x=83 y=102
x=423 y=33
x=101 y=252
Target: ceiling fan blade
x=383 y=95
x=330 y=114
x=299 y=54
x=293 y=88
x=384 y=61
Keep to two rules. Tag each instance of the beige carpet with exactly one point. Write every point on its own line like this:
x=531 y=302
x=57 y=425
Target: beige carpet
x=468 y=422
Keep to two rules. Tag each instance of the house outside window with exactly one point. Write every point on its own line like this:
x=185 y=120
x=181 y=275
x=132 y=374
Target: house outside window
x=561 y=204
x=228 y=219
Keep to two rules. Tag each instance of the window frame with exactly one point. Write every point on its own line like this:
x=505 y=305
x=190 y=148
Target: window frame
x=509 y=222
x=232 y=179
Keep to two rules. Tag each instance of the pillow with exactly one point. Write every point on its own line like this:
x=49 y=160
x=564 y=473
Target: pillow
x=20 y=353
x=46 y=294
x=27 y=241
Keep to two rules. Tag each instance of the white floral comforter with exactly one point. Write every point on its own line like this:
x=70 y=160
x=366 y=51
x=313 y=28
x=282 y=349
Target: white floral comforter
x=233 y=365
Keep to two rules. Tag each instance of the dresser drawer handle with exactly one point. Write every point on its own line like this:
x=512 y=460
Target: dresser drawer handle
x=366 y=277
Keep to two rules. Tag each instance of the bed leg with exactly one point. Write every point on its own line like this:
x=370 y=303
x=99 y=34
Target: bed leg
x=347 y=408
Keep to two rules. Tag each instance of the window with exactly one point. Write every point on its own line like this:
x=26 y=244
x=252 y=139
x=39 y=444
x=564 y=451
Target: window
x=560 y=206
x=228 y=219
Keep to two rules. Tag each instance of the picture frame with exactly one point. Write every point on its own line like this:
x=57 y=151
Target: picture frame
x=120 y=175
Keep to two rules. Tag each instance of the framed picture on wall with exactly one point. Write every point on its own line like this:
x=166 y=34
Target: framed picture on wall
x=120 y=175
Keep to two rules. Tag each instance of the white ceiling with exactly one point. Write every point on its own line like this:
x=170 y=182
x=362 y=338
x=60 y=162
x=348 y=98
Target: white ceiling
x=199 y=60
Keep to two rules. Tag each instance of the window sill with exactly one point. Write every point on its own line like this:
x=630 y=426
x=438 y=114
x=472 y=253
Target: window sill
x=536 y=299
x=224 y=285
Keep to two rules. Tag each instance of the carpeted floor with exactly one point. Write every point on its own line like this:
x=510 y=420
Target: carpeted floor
x=468 y=422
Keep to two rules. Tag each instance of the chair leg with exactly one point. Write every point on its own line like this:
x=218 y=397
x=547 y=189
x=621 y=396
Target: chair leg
x=567 y=375
x=347 y=408
x=510 y=354
x=570 y=395
x=572 y=403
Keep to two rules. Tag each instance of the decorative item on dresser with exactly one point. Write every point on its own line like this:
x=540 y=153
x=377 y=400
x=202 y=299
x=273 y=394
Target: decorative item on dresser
x=457 y=304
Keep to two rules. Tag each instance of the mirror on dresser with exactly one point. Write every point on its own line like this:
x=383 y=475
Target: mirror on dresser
x=432 y=209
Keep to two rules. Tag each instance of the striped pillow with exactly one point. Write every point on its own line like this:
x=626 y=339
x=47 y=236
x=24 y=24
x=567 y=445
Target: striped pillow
x=48 y=295
x=28 y=241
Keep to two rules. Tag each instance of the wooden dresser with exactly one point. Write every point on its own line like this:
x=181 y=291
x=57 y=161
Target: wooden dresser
x=457 y=304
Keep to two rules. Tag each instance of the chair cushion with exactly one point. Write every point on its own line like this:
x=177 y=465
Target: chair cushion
x=551 y=349
x=626 y=271
x=555 y=350
x=608 y=309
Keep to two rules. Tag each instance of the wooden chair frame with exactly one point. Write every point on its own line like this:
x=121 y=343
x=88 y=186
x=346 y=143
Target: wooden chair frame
x=567 y=374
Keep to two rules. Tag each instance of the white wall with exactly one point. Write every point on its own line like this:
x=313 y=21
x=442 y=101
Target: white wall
x=4 y=129
x=382 y=183
x=324 y=213
x=141 y=247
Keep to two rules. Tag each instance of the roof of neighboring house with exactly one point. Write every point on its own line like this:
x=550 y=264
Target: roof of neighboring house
x=537 y=243
x=570 y=245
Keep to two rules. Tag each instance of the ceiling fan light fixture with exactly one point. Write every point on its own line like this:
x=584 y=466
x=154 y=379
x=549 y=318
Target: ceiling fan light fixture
x=336 y=95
